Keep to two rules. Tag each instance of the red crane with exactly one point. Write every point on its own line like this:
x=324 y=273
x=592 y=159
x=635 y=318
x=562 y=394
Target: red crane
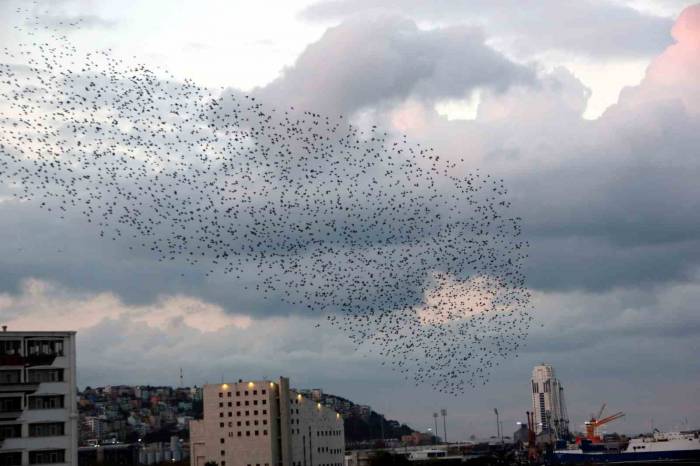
x=595 y=422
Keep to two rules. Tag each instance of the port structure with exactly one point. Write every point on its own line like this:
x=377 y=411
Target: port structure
x=596 y=422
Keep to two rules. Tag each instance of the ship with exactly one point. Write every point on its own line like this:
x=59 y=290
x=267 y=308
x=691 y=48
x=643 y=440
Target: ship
x=660 y=447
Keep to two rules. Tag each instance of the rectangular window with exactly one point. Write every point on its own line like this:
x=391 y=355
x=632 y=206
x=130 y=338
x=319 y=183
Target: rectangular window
x=47 y=429
x=11 y=459
x=10 y=347
x=10 y=377
x=46 y=402
x=45 y=375
x=10 y=405
x=45 y=348
x=47 y=456
x=10 y=431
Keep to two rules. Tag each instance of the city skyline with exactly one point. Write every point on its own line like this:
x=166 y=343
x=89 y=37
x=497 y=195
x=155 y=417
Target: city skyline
x=594 y=134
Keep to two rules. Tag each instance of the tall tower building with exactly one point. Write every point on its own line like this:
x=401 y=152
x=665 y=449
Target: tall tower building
x=264 y=423
x=38 y=409
x=548 y=402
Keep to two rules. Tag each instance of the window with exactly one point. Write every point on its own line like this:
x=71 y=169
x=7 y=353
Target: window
x=255 y=413
x=239 y=434
x=247 y=423
x=230 y=424
x=264 y=432
x=245 y=392
x=247 y=402
x=263 y=392
x=221 y=394
x=255 y=402
x=247 y=433
x=238 y=413
x=222 y=441
x=221 y=414
x=221 y=405
x=10 y=347
x=255 y=392
x=223 y=453
x=238 y=403
x=47 y=429
x=45 y=375
x=264 y=411
x=9 y=405
x=264 y=402
x=10 y=431
x=47 y=456
x=238 y=423
x=257 y=432
x=230 y=404
x=221 y=424
x=230 y=414
x=10 y=377
x=228 y=394
x=11 y=459
x=247 y=413
x=45 y=348
x=256 y=422
x=238 y=393
x=264 y=422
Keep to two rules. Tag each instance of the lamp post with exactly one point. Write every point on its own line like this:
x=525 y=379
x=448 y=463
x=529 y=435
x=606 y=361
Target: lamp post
x=435 y=416
x=498 y=426
x=444 y=424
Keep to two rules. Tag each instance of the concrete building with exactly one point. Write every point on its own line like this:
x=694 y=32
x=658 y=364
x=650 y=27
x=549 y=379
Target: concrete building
x=38 y=409
x=548 y=402
x=264 y=423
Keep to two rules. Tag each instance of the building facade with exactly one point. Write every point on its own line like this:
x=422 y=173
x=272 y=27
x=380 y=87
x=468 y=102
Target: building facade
x=38 y=409
x=548 y=403
x=264 y=423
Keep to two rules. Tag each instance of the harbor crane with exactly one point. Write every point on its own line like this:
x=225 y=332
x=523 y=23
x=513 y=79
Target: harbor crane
x=598 y=421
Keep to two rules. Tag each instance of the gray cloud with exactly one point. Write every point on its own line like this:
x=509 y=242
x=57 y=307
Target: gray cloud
x=363 y=63
x=593 y=27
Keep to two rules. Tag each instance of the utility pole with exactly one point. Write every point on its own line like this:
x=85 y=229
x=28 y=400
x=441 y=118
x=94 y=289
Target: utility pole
x=498 y=425
x=444 y=424
x=435 y=416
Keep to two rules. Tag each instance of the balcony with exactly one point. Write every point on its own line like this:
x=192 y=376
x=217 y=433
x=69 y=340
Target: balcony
x=10 y=415
x=27 y=361
x=19 y=387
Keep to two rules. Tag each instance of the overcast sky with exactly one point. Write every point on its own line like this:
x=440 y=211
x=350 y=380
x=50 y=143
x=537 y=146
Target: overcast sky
x=589 y=110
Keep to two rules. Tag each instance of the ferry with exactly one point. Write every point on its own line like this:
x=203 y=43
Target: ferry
x=666 y=447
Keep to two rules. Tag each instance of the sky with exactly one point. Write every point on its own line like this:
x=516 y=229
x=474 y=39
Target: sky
x=589 y=111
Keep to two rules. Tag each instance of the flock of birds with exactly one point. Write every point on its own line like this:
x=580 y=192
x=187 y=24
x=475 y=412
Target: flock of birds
x=390 y=242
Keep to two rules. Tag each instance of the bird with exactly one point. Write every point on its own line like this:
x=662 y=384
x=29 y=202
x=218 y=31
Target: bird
x=408 y=252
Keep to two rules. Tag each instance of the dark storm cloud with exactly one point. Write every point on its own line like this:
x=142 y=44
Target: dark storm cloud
x=593 y=27
x=368 y=63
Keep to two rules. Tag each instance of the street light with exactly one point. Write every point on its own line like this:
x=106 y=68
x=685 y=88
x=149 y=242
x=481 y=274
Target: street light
x=435 y=416
x=444 y=424
x=498 y=426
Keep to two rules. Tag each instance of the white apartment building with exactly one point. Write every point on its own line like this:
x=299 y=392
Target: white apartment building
x=264 y=423
x=548 y=402
x=38 y=410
